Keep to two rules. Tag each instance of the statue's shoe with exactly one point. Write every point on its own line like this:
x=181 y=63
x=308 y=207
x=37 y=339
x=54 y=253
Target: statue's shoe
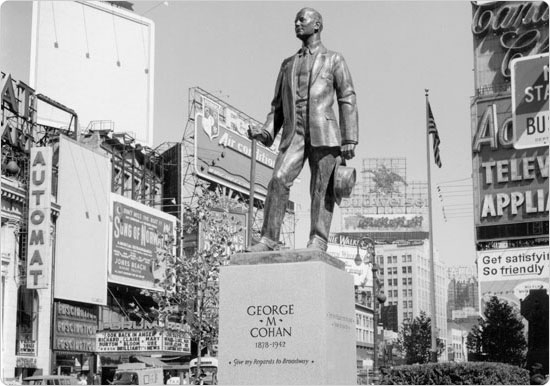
x=260 y=247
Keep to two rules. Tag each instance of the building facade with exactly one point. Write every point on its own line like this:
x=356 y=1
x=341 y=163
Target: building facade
x=510 y=164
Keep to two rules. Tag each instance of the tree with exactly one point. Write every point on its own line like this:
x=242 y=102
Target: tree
x=415 y=340
x=499 y=337
x=189 y=290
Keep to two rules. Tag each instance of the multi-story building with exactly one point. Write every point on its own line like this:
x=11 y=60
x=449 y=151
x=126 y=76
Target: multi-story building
x=364 y=327
x=463 y=290
x=64 y=288
x=510 y=151
x=405 y=275
x=456 y=342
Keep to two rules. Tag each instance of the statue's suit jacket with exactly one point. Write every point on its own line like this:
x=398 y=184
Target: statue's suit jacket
x=329 y=74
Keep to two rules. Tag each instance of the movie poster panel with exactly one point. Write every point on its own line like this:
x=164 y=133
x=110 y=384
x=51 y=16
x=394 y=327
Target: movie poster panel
x=509 y=274
x=139 y=235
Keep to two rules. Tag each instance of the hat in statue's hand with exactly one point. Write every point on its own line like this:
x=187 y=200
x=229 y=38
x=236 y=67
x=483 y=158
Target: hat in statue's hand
x=344 y=180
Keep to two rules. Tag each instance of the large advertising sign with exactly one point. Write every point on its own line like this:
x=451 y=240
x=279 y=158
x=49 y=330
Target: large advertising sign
x=384 y=223
x=39 y=249
x=74 y=328
x=139 y=235
x=505 y=30
x=510 y=185
x=71 y=45
x=530 y=101
x=223 y=150
x=510 y=273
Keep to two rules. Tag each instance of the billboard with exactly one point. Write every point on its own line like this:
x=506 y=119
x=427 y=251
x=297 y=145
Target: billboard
x=503 y=31
x=98 y=59
x=510 y=185
x=138 y=236
x=84 y=184
x=530 y=112
x=223 y=150
x=510 y=273
x=39 y=251
x=384 y=223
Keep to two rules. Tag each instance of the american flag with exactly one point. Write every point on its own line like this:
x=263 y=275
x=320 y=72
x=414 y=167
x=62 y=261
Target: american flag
x=432 y=129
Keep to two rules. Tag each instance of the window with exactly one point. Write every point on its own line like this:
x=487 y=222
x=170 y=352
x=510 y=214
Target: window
x=395 y=282
x=410 y=315
x=394 y=259
x=410 y=292
x=409 y=258
x=404 y=304
x=410 y=269
x=404 y=292
x=395 y=270
x=404 y=258
x=389 y=259
x=389 y=282
x=380 y=260
x=409 y=280
x=404 y=281
x=410 y=304
x=405 y=315
x=404 y=269
x=381 y=271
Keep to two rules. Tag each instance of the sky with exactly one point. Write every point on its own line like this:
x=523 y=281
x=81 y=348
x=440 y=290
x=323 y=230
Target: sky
x=394 y=50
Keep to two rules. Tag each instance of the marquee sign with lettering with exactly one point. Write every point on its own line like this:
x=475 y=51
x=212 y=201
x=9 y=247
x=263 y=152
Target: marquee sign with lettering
x=222 y=148
x=39 y=235
x=151 y=340
x=75 y=327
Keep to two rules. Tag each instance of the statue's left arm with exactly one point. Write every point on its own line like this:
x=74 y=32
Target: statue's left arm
x=347 y=106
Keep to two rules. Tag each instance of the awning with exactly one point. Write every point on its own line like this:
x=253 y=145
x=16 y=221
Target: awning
x=151 y=361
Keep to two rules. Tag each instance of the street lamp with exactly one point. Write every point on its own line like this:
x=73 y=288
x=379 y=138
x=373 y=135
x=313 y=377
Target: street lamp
x=366 y=243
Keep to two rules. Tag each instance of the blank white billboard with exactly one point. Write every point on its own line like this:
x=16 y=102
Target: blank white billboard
x=97 y=60
x=81 y=253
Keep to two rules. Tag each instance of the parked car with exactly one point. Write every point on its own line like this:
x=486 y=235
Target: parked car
x=50 y=380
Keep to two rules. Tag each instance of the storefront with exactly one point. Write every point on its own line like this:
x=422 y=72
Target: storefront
x=74 y=338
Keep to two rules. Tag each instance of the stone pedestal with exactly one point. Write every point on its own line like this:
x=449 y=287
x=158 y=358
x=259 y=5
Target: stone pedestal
x=286 y=317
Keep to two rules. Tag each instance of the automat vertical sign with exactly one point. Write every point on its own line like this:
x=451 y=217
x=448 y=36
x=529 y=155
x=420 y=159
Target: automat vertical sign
x=39 y=236
x=530 y=101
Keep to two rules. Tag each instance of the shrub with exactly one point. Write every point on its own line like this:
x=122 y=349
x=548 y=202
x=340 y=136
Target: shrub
x=450 y=373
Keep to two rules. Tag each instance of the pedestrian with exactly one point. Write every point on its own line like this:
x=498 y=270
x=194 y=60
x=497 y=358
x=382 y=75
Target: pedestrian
x=302 y=108
x=82 y=379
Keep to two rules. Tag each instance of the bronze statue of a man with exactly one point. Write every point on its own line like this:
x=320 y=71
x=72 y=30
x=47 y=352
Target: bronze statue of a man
x=302 y=107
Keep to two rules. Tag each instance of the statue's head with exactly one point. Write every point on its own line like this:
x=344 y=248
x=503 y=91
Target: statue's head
x=308 y=22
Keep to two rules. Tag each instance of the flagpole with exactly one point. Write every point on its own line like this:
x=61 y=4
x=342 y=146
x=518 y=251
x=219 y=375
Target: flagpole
x=433 y=350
